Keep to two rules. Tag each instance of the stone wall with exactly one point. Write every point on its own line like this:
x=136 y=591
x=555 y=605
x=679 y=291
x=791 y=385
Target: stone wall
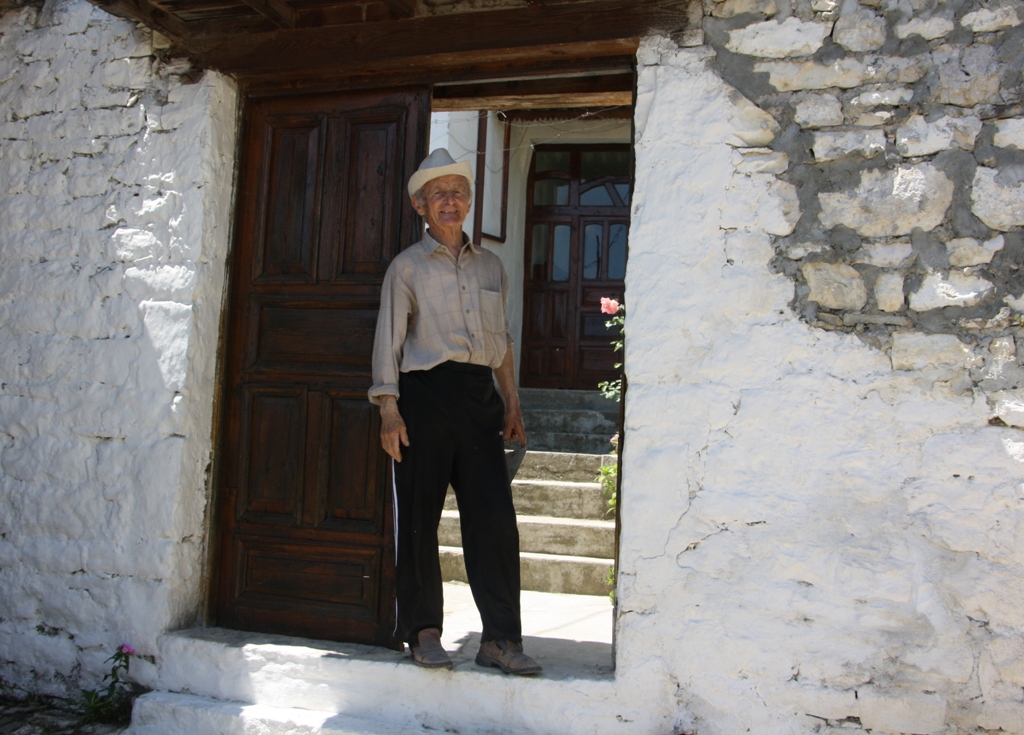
x=822 y=481
x=116 y=170
x=902 y=129
x=821 y=503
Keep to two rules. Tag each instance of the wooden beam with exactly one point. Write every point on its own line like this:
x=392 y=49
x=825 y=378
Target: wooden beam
x=279 y=12
x=534 y=102
x=547 y=62
x=605 y=113
x=493 y=31
x=605 y=90
x=401 y=8
x=149 y=13
x=617 y=56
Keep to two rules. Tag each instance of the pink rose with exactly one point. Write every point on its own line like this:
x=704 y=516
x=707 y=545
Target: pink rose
x=126 y=649
x=609 y=306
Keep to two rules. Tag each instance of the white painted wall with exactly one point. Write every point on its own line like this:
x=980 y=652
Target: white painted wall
x=115 y=205
x=808 y=534
x=814 y=529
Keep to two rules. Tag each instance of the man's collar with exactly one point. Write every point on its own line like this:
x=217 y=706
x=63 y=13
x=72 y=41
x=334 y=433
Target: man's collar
x=430 y=245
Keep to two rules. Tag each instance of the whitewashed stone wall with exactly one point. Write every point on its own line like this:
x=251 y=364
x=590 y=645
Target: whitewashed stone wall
x=115 y=185
x=822 y=497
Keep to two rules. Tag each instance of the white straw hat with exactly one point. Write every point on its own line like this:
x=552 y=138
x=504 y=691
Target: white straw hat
x=439 y=163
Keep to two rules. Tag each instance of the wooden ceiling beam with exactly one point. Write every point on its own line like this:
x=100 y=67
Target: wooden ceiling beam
x=604 y=113
x=150 y=14
x=401 y=8
x=492 y=32
x=534 y=102
x=277 y=11
x=567 y=60
x=605 y=90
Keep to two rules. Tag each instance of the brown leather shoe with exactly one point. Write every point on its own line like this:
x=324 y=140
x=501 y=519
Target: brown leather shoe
x=508 y=657
x=428 y=652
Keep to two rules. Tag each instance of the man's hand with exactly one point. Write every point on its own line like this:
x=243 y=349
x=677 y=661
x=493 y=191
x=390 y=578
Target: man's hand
x=514 y=428
x=506 y=376
x=393 y=435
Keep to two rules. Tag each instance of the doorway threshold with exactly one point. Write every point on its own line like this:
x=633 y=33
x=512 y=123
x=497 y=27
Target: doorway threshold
x=219 y=680
x=569 y=635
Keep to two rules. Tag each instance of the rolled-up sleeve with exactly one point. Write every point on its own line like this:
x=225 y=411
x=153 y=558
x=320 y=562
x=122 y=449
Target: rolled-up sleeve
x=392 y=324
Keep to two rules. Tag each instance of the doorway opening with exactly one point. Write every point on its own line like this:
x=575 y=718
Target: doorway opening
x=303 y=513
x=553 y=203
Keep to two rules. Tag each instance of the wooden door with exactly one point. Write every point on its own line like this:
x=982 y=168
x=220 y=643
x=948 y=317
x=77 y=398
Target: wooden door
x=304 y=518
x=578 y=219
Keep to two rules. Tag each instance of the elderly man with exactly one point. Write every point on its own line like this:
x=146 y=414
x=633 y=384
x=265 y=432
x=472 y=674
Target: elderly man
x=441 y=336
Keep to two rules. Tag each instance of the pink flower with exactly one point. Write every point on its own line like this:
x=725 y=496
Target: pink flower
x=609 y=306
x=126 y=649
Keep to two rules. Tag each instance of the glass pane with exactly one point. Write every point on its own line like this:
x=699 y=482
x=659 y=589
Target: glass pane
x=551 y=161
x=539 y=252
x=560 y=259
x=592 y=251
x=551 y=193
x=623 y=190
x=595 y=164
x=596 y=197
x=617 y=252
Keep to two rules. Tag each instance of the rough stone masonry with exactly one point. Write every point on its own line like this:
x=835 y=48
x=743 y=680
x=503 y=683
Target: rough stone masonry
x=848 y=534
x=901 y=129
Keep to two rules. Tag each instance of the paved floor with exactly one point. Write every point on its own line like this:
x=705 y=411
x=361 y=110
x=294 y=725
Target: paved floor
x=47 y=718
x=570 y=635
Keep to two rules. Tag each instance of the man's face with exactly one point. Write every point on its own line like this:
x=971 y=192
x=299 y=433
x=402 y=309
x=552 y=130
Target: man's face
x=447 y=201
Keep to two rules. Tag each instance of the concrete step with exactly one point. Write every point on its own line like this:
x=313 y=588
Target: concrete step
x=212 y=681
x=547 y=535
x=163 y=713
x=538 y=421
x=555 y=398
x=567 y=442
x=567 y=575
x=563 y=467
x=583 y=500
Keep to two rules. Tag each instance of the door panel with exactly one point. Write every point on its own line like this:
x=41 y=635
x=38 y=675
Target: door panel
x=288 y=245
x=304 y=512
x=316 y=338
x=273 y=445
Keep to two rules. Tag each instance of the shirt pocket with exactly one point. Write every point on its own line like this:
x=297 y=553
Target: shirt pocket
x=492 y=312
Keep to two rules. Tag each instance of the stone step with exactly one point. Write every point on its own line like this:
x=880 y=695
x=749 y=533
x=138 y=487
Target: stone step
x=556 y=398
x=584 y=500
x=562 y=466
x=570 y=575
x=247 y=683
x=163 y=713
x=547 y=535
x=539 y=421
x=567 y=442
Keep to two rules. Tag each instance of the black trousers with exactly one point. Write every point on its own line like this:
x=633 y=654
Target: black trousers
x=455 y=418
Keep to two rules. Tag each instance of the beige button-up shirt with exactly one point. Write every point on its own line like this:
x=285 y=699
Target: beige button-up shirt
x=434 y=308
